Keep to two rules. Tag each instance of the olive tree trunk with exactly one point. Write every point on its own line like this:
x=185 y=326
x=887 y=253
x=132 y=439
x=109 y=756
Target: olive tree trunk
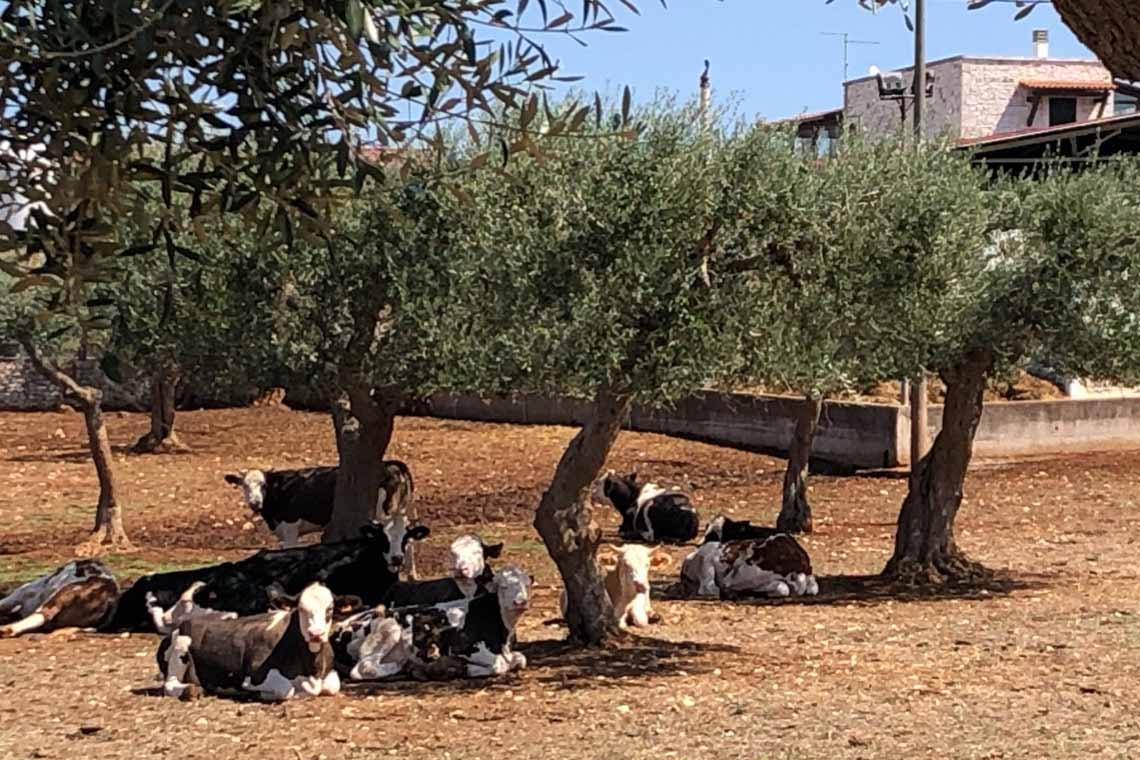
x=161 y=438
x=1110 y=29
x=363 y=421
x=108 y=532
x=565 y=521
x=795 y=511
x=924 y=541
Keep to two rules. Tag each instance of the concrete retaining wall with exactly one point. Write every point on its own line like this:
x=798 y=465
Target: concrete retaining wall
x=1015 y=428
x=850 y=435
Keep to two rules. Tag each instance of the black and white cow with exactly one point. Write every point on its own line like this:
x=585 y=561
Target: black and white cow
x=649 y=514
x=277 y=655
x=470 y=575
x=723 y=528
x=772 y=566
x=80 y=594
x=477 y=634
x=364 y=567
x=295 y=503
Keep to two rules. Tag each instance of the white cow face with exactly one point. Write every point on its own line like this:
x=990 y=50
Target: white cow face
x=633 y=562
x=252 y=484
x=398 y=533
x=512 y=584
x=315 y=613
x=469 y=556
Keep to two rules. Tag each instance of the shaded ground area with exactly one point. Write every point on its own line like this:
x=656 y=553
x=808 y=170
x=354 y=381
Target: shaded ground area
x=1042 y=663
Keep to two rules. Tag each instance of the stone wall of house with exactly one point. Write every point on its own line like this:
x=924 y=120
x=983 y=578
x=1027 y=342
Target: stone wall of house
x=974 y=97
x=993 y=100
x=868 y=115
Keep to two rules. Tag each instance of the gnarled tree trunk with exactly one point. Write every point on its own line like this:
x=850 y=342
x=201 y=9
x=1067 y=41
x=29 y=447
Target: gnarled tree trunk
x=565 y=521
x=924 y=542
x=363 y=421
x=795 y=511
x=1110 y=29
x=161 y=438
x=108 y=532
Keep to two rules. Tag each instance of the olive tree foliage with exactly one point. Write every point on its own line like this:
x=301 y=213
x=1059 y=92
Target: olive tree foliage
x=259 y=107
x=877 y=267
x=609 y=270
x=1058 y=280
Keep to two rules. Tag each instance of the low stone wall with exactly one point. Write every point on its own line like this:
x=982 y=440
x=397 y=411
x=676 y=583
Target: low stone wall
x=22 y=388
x=1015 y=428
x=850 y=435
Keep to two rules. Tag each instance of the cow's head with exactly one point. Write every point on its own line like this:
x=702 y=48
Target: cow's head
x=632 y=563
x=620 y=491
x=469 y=556
x=512 y=584
x=252 y=484
x=399 y=534
x=315 y=615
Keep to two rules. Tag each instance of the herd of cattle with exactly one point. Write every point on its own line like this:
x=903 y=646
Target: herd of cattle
x=292 y=621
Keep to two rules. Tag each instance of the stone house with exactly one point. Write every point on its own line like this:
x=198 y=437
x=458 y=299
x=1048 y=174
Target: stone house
x=973 y=97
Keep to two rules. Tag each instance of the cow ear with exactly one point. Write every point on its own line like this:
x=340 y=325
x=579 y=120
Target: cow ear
x=633 y=477
x=493 y=550
x=282 y=602
x=418 y=533
x=660 y=559
x=233 y=478
x=608 y=557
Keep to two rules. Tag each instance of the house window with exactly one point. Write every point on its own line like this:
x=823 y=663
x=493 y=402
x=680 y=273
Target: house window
x=1062 y=111
x=1124 y=103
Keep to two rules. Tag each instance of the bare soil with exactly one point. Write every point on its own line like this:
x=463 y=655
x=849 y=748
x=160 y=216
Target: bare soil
x=1042 y=663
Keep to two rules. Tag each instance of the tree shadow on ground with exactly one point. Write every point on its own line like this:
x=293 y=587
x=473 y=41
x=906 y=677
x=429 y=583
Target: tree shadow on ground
x=71 y=455
x=558 y=664
x=871 y=590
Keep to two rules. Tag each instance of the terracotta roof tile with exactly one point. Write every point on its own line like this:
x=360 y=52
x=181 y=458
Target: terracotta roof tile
x=1062 y=84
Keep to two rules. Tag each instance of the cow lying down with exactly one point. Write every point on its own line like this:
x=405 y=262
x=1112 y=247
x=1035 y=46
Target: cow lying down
x=773 y=566
x=278 y=655
x=649 y=513
x=627 y=583
x=470 y=637
x=79 y=594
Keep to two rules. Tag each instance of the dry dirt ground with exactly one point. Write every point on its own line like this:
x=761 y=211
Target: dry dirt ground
x=1044 y=665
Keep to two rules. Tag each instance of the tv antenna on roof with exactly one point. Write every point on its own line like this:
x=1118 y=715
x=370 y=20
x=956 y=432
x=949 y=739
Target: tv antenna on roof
x=847 y=42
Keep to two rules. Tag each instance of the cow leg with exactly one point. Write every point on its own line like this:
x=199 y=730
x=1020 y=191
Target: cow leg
x=373 y=668
x=797 y=583
x=774 y=587
x=812 y=586
x=289 y=534
x=177 y=666
x=515 y=660
x=483 y=663
x=275 y=687
x=162 y=620
x=331 y=684
x=30 y=623
x=707 y=576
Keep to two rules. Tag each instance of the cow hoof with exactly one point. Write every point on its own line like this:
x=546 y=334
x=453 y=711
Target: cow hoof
x=6 y=632
x=191 y=692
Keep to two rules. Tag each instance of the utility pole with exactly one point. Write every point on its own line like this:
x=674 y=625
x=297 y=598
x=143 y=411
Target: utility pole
x=918 y=397
x=846 y=42
x=706 y=94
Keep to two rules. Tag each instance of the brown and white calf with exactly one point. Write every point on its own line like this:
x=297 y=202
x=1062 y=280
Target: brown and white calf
x=79 y=594
x=772 y=566
x=278 y=655
x=295 y=503
x=477 y=634
x=627 y=583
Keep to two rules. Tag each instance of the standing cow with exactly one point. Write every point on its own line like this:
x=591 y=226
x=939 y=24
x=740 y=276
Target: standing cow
x=295 y=503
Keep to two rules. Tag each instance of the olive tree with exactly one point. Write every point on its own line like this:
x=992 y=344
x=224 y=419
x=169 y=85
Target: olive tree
x=1058 y=279
x=611 y=274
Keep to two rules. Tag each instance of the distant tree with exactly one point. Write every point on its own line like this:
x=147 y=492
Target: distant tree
x=1057 y=280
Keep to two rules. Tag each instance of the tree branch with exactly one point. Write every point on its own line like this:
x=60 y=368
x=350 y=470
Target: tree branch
x=70 y=388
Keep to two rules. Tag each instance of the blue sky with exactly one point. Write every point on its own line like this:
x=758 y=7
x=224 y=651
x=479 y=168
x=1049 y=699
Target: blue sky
x=771 y=54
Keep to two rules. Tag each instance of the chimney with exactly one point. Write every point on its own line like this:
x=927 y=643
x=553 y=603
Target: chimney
x=1041 y=43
